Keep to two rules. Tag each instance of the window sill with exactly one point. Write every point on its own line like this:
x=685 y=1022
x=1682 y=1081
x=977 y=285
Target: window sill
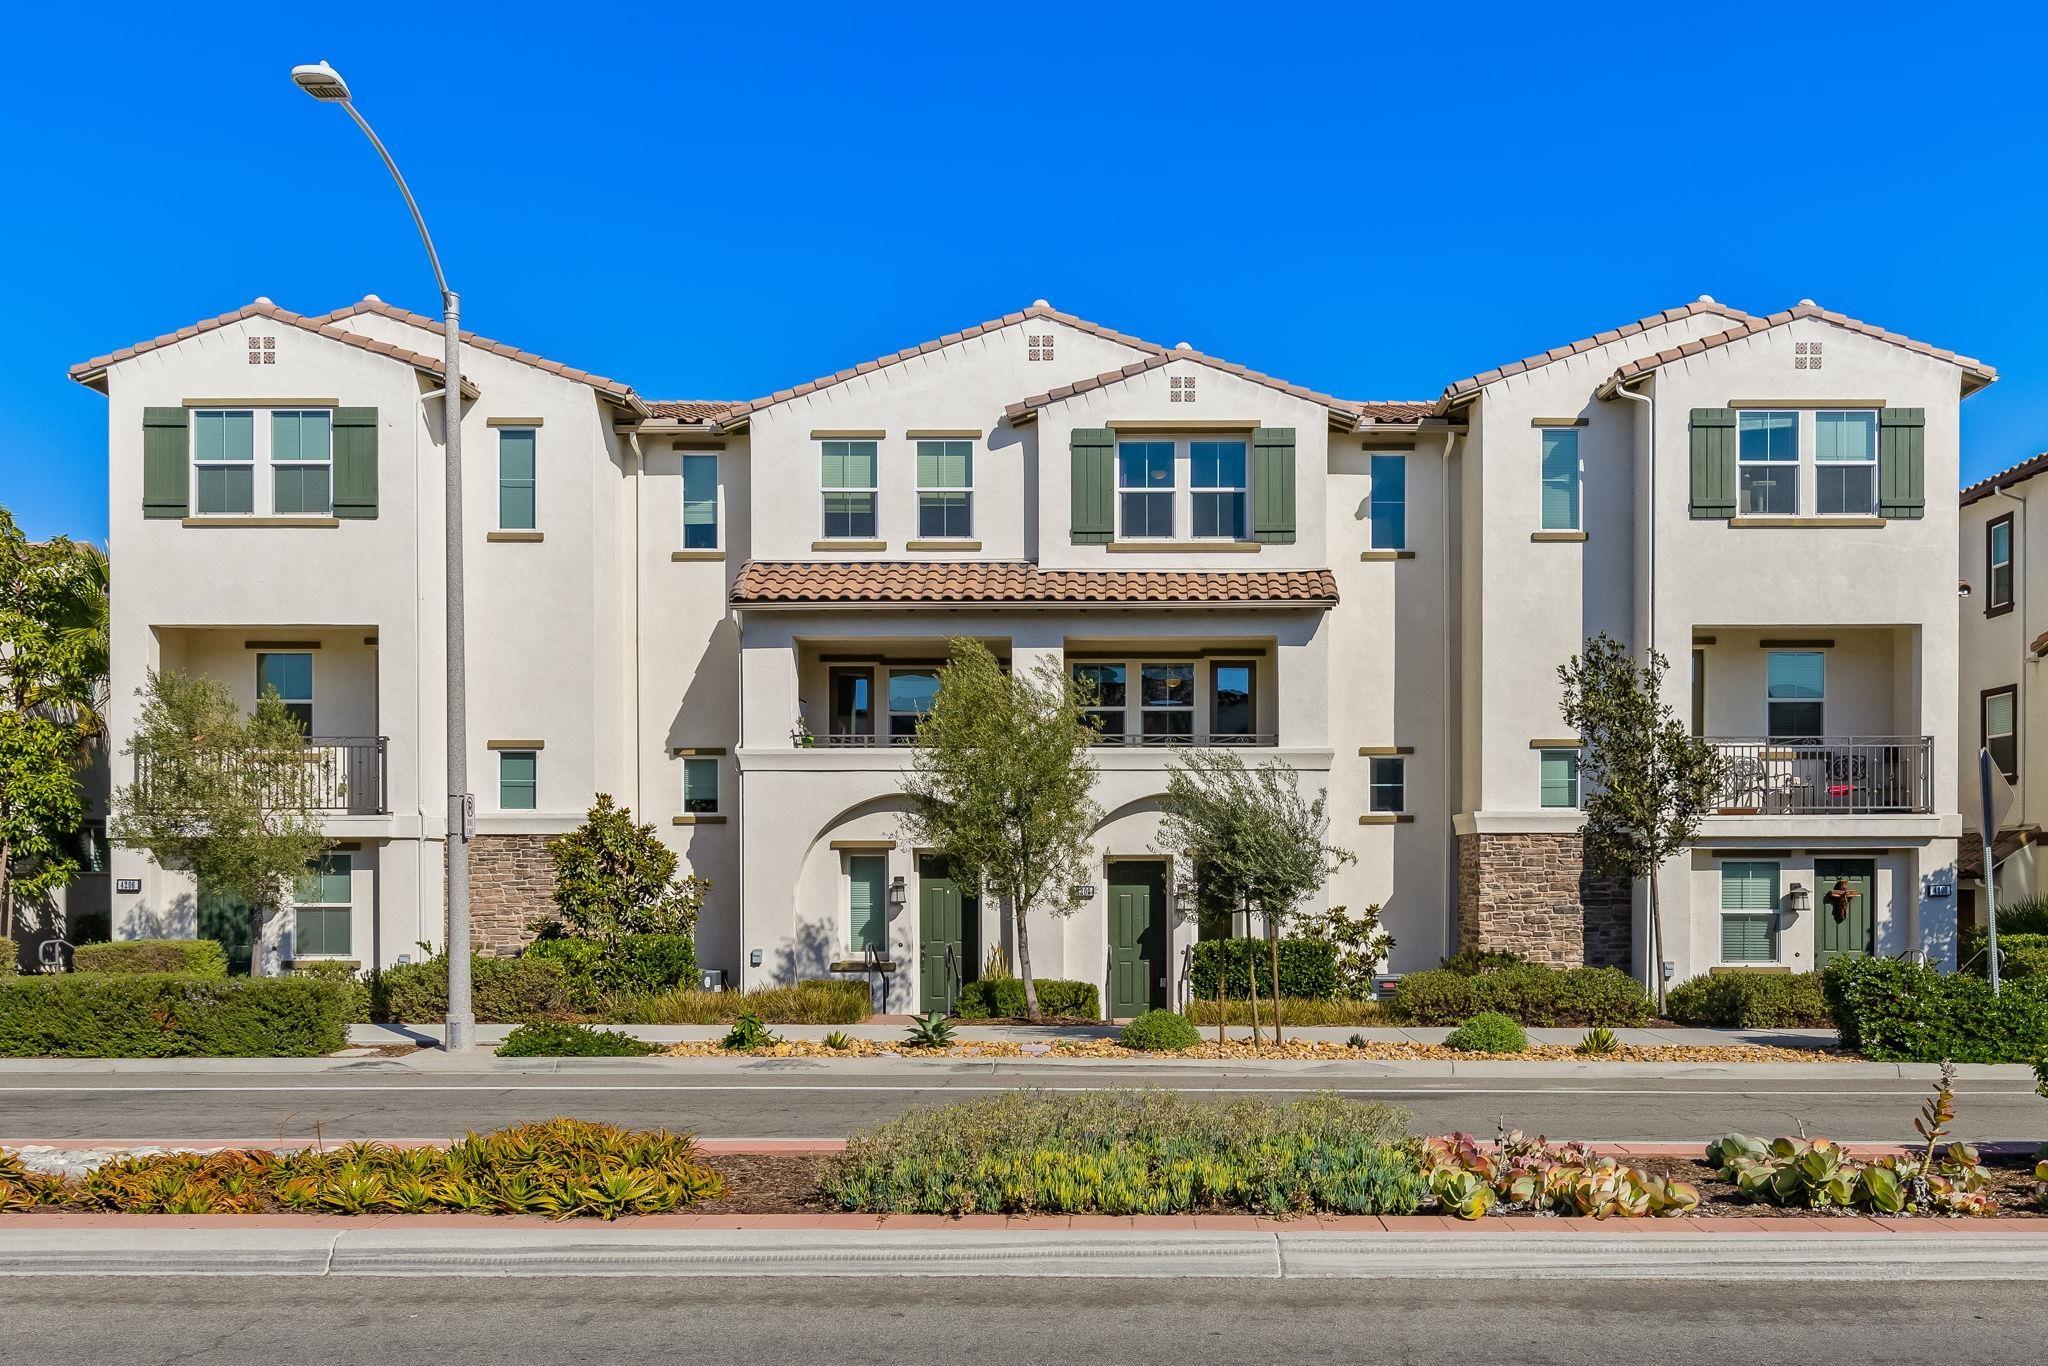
x=943 y=543
x=1386 y=818
x=1559 y=537
x=1806 y=521
x=1185 y=547
x=689 y=556
x=307 y=960
x=262 y=521
x=702 y=819
x=849 y=545
x=1375 y=556
x=515 y=535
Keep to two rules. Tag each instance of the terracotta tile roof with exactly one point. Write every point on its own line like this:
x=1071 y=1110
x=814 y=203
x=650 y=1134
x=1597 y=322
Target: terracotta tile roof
x=2005 y=478
x=689 y=409
x=2006 y=843
x=1806 y=308
x=1026 y=408
x=2040 y=645
x=93 y=371
x=612 y=389
x=1399 y=412
x=1037 y=310
x=1015 y=582
x=1472 y=383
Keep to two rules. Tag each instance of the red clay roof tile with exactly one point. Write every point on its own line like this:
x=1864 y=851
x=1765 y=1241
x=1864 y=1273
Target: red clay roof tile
x=1015 y=582
x=88 y=372
x=1750 y=327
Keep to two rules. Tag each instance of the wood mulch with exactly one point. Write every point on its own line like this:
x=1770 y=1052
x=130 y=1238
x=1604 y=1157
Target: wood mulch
x=768 y=1183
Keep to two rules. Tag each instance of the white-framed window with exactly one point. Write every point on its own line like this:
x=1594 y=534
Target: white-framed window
x=323 y=908
x=1767 y=463
x=846 y=482
x=700 y=500
x=301 y=462
x=1166 y=703
x=945 y=490
x=1561 y=479
x=1795 y=694
x=517 y=449
x=1749 y=912
x=1145 y=488
x=289 y=674
x=1387 y=501
x=2000 y=724
x=518 y=779
x=1218 y=480
x=1104 y=685
x=284 y=466
x=1560 y=777
x=1386 y=784
x=700 y=785
x=224 y=462
x=911 y=694
x=1845 y=463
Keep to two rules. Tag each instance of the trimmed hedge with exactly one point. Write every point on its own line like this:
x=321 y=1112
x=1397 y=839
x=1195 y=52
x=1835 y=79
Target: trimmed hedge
x=1308 y=968
x=193 y=957
x=1897 y=1011
x=1528 y=993
x=2019 y=955
x=644 y=964
x=502 y=990
x=10 y=958
x=1004 y=998
x=170 y=1015
x=1750 y=1000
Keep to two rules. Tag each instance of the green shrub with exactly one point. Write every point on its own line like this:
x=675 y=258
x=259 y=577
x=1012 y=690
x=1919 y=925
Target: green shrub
x=817 y=1001
x=502 y=990
x=193 y=957
x=1160 y=1031
x=1131 y=1152
x=10 y=958
x=1897 y=1011
x=1308 y=968
x=354 y=986
x=1750 y=1000
x=1341 y=1010
x=550 y=1040
x=1528 y=992
x=1004 y=999
x=1488 y=1032
x=748 y=1034
x=1478 y=962
x=641 y=964
x=167 y=1015
x=2019 y=955
x=2023 y=917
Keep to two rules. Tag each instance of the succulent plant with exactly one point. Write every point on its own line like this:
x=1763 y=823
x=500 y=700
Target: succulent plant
x=1597 y=1043
x=930 y=1031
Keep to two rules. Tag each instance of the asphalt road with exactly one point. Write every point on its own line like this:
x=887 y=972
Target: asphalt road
x=771 y=1100
x=909 y=1322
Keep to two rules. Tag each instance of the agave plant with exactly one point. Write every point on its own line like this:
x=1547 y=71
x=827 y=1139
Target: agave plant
x=1597 y=1043
x=930 y=1031
x=838 y=1041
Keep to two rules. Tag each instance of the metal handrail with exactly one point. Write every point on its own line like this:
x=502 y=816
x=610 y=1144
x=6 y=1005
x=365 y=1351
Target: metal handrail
x=1202 y=739
x=952 y=979
x=335 y=775
x=1827 y=774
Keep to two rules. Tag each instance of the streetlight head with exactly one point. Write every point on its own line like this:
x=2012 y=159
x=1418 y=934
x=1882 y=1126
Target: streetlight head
x=322 y=82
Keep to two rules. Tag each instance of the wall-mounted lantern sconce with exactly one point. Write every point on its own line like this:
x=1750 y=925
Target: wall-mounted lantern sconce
x=1799 y=900
x=898 y=894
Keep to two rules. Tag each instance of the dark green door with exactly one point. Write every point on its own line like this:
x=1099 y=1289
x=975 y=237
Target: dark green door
x=947 y=922
x=226 y=920
x=1137 y=938
x=1854 y=933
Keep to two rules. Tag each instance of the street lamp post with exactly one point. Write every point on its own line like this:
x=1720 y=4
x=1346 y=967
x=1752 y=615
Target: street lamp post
x=325 y=84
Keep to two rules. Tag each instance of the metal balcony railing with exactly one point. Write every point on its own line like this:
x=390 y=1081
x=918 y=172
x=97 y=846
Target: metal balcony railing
x=1212 y=738
x=1827 y=775
x=331 y=775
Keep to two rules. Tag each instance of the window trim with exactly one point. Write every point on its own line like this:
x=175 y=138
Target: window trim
x=2012 y=691
x=328 y=907
x=1374 y=783
x=1542 y=786
x=966 y=491
x=533 y=756
x=1241 y=491
x=197 y=463
x=1545 y=480
x=1868 y=464
x=311 y=701
x=1796 y=464
x=1373 y=502
x=262 y=464
x=1775 y=914
x=873 y=489
x=1993 y=606
x=717 y=783
x=1770 y=731
x=1171 y=492
x=716 y=500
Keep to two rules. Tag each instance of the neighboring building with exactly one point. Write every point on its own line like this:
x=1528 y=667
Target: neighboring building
x=729 y=615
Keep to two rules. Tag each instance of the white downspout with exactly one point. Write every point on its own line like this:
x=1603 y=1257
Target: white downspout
x=2027 y=656
x=1449 y=701
x=1654 y=968
x=636 y=661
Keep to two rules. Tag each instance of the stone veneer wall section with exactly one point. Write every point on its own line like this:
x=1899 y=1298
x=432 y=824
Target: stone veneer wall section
x=511 y=882
x=1530 y=895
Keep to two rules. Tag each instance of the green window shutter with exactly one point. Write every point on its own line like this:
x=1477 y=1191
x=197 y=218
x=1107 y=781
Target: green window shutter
x=355 y=462
x=1902 y=462
x=1092 y=485
x=1713 y=463
x=867 y=904
x=165 y=462
x=1273 y=485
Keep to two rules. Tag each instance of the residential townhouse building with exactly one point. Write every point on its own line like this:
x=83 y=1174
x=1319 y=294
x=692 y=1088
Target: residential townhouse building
x=729 y=615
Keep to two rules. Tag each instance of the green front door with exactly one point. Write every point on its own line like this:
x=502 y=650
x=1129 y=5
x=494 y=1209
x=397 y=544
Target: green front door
x=1843 y=928
x=948 y=937
x=1137 y=937
x=225 y=919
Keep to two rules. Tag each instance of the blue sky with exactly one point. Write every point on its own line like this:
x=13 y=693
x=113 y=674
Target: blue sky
x=718 y=202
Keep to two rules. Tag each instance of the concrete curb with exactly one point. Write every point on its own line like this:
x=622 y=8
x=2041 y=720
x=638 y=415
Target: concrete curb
x=623 y=1250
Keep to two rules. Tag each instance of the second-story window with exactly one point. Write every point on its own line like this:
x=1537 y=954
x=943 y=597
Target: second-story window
x=1998 y=559
x=302 y=462
x=2001 y=730
x=945 y=490
x=847 y=481
x=223 y=463
x=1767 y=458
x=1233 y=715
x=1845 y=463
x=911 y=694
x=1388 y=502
x=1166 y=701
x=518 y=780
x=289 y=675
x=700 y=786
x=851 y=706
x=1144 y=486
x=517 y=509
x=1795 y=694
x=1102 y=685
x=1216 y=471
x=1561 y=479
x=700 y=502
x=283 y=467
x=1386 y=786
x=1560 y=777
